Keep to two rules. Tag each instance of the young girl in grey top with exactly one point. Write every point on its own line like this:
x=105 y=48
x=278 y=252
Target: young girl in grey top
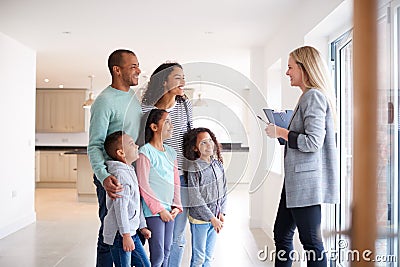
x=207 y=192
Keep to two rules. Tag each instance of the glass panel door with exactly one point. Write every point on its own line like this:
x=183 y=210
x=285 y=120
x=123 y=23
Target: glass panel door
x=395 y=135
x=343 y=59
x=385 y=174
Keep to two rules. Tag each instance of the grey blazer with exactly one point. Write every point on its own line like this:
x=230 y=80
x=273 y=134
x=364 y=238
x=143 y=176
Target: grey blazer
x=311 y=170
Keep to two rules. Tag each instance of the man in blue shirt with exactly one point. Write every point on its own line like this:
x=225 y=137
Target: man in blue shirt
x=117 y=108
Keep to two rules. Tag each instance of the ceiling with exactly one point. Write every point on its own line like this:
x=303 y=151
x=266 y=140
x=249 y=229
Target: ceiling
x=74 y=38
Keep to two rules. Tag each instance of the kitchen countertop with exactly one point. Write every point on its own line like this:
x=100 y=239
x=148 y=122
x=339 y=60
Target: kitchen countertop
x=234 y=147
x=79 y=151
x=67 y=149
x=59 y=147
x=226 y=147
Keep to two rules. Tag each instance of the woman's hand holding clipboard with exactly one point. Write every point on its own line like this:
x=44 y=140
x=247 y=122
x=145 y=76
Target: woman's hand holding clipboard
x=277 y=127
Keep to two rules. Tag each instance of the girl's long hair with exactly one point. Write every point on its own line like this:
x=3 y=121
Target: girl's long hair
x=190 y=140
x=315 y=73
x=153 y=116
x=155 y=88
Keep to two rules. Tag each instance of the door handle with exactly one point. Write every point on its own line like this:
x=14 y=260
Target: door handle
x=390 y=112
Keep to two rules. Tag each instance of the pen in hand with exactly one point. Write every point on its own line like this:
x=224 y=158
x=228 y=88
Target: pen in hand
x=261 y=119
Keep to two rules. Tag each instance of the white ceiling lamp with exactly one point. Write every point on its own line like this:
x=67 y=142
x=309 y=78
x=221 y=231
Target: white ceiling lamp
x=88 y=102
x=200 y=102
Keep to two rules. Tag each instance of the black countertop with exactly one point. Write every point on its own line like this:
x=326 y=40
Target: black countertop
x=77 y=152
x=234 y=147
x=67 y=149
x=226 y=147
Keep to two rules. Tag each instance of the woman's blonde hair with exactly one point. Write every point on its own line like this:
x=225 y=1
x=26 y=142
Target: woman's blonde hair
x=315 y=73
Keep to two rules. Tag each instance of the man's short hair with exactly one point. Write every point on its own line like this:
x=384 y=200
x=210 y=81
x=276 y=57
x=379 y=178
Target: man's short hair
x=116 y=58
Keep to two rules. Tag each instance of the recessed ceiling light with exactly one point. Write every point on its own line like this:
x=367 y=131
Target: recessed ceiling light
x=61 y=86
x=46 y=80
x=66 y=32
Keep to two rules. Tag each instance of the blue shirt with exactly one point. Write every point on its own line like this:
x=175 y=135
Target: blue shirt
x=113 y=110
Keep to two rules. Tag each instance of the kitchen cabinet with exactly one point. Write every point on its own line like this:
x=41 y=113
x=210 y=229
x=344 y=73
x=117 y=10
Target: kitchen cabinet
x=60 y=111
x=85 y=187
x=56 y=169
x=37 y=166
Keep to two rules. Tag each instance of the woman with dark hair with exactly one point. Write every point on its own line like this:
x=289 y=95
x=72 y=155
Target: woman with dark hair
x=165 y=90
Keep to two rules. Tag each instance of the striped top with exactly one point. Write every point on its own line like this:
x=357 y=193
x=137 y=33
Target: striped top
x=179 y=120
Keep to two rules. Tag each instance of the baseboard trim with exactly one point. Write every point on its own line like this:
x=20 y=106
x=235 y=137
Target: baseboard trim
x=17 y=225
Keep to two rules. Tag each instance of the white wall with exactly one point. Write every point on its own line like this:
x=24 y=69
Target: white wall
x=17 y=142
x=292 y=35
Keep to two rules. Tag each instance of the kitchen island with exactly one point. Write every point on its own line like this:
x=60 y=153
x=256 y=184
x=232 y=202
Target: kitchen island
x=65 y=167
x=236 y=158
x=85 y=189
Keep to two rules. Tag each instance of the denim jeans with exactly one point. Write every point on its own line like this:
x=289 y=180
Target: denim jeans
x=137 y=257
x=308 y=222
x=179 y=240
x=104 y=258
x=160 y=241
x=203 y=243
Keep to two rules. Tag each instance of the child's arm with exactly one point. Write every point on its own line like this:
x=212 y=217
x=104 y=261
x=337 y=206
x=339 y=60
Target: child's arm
x=142 y=219
x=143 y=225
x=221 y=217
x=146 y=233
x=148 y=195
x=217 y=224
x=177 y=190
x=127 y=242
x=223 y=199
x=121 y=206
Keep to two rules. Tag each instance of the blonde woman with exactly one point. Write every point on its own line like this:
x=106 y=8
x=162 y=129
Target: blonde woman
x=310 y=160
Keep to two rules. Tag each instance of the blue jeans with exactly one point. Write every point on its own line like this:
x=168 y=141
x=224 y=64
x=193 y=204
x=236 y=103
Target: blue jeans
x=308 y=222
x=203 y=243
x=137 y=257
x=160 y=241
x=179 y=240
x=104 y=258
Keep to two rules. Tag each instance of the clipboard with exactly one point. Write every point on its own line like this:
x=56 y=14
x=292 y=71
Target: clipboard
x=279 y=118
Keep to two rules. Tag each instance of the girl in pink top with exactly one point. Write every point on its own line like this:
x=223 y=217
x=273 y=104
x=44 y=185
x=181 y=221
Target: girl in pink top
x=159 y=184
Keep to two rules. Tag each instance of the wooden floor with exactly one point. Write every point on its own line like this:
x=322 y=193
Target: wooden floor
x=65 y=234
